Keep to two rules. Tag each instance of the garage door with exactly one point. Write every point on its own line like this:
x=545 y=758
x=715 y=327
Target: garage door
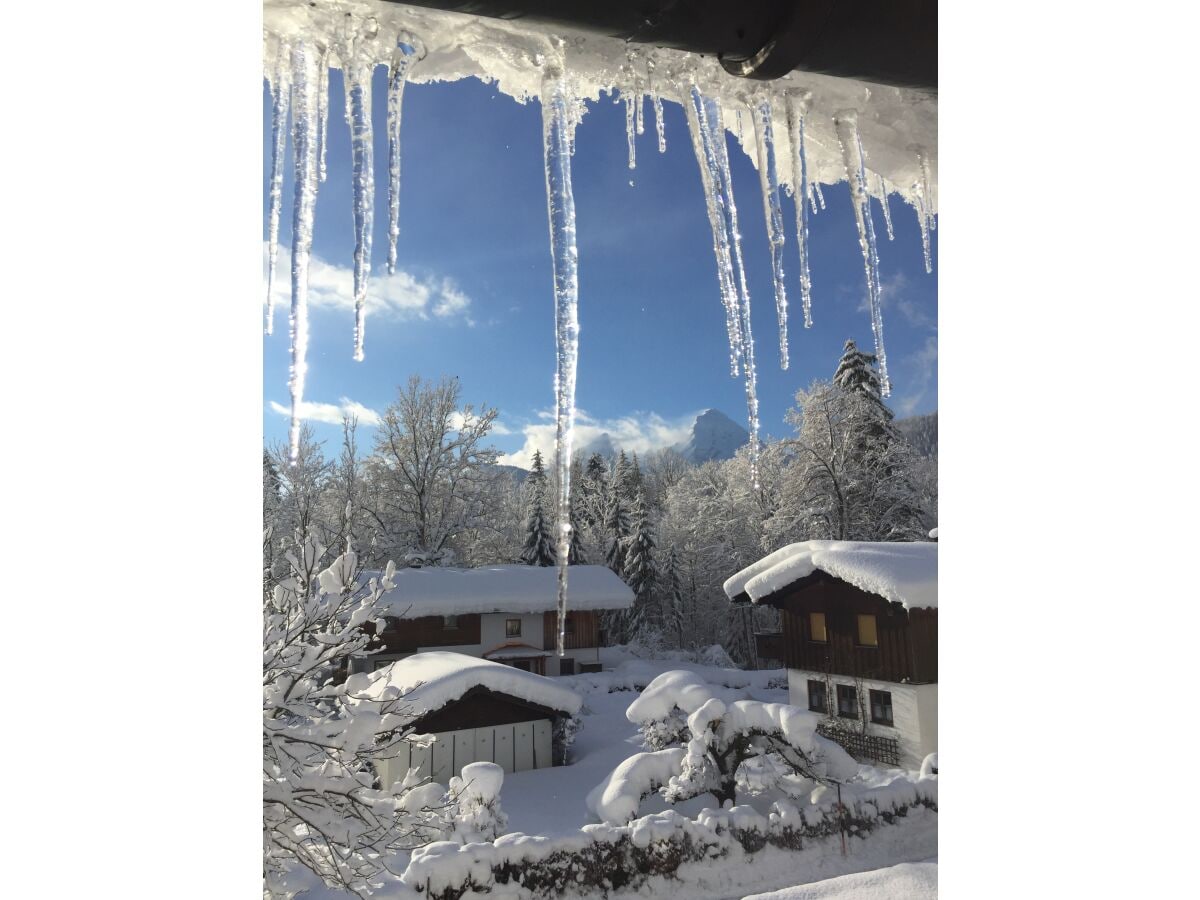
x=515 y=748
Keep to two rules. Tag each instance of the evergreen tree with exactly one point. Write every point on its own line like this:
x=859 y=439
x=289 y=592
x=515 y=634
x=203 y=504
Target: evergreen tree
x=539 y=541
x=577 y=555
x=593 y=493
x=616 y=528
x=671 y=596
x=622 y=480
x=856 y=374
x=639 y=569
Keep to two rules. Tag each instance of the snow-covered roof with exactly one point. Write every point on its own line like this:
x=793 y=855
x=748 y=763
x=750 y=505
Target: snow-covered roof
x=428 y=681
x=903 y=572
x=509 y=589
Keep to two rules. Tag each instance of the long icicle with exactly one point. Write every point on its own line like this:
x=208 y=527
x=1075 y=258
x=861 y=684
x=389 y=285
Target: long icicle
x=820 y=196
x=630 y=128
x=797 y=109
x=281 y=88
x=558 y=126
x=923 y=221
x=846 y=123
x=923 y=158
x=708 y=127
x=323 y=114
x=710 y=178
x=362 y=153
x=402 y=58
x=656 y=102
x=305 y=81
x=887 y=213
x=768 y=179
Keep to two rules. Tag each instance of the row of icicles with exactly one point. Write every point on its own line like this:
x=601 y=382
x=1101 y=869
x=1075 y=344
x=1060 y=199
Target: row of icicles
x=299 y=86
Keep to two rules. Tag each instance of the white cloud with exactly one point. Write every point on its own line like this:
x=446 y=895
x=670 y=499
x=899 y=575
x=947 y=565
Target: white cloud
x=639 y=432
x=894 y=293
x=922 y=364
x=401 y=296
x=331 y=413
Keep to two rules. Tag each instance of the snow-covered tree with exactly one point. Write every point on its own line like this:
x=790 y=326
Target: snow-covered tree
x=538 y=549
x=850 y=473
x=577 y=555
x=671 y=597
x=616 y=528
x=640 y=571
x=322 y=806
x=430 y=471
x=475 y=805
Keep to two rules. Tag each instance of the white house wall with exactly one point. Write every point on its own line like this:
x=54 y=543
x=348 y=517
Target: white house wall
x=914 y=710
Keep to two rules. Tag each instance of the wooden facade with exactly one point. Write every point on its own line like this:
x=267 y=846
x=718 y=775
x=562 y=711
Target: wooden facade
x=406 y=635
x=583 y=630
x=480 y=707
x=906 y=648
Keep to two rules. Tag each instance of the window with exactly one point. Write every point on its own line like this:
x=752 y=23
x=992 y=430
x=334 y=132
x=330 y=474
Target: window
x=566 y=666
x=449 y=622
x=881 y=707
x=512 y=627
x=847 y=701
x=569 y=625
x=817 y=701
x=816 y=628
x=868 y=634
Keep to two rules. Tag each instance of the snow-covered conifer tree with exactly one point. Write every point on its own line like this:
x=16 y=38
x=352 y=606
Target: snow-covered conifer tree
x=671 y=597
x=539 y=540
x=640 y=571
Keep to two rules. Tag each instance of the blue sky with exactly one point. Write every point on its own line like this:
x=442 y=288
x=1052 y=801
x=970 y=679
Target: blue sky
x=473 y=293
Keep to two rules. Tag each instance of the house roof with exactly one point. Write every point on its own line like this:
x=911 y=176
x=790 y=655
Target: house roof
x=429 y=681
x=509 y=589
x=903 y=572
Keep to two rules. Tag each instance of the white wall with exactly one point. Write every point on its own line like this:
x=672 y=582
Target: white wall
x=914 y=710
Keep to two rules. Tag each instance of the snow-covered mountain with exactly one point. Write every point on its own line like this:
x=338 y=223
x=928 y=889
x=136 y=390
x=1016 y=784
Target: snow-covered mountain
x=714 y=436
x=602 y=444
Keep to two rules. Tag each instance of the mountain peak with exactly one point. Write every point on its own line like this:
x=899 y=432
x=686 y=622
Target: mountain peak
x=714 y=436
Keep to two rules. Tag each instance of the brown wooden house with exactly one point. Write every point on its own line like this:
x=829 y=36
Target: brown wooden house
x=859 y=640
x=507 y=614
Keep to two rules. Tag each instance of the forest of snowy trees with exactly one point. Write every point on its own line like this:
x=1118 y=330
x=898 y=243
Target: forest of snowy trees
x=428 y=491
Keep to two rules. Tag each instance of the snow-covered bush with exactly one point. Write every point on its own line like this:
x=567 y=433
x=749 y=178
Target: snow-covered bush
x=566 y=728
x=321 y=804
x=601 y=859
x=475 y=803
x=720 y=735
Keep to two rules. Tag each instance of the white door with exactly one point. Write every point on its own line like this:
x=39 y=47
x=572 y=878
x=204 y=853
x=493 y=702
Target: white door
x=503 y=747
x=484 y=745
x=543 y=744
x=522 y=746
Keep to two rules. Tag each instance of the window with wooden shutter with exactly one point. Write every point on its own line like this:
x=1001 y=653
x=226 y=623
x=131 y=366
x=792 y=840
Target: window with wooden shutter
x=816 y=697
x=881 y=707
x=868 y=633
x=816 y=628
x=847 y=699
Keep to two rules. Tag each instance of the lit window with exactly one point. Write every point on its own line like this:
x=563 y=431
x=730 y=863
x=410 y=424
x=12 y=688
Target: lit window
x=816 y=627
x=881 y=707
x=449 y=622
x=816 y=697
x=847 y=697
x=868 y=635
x=512 y=627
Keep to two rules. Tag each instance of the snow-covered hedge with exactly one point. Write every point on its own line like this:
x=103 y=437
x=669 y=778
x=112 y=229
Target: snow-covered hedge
x=601 y=859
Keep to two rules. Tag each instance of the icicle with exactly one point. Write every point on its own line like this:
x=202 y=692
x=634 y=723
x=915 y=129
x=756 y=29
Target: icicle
x=797 y=108
x=656 y=100
x=281 y=87
x=305 y=81
x=640 y=109
x=768 y=179
x=323 y=113
x=812 y=197
x=358 y=116
x=629 y=128
x=846 y=123
x=820 y=196
x=708 y=141
x=710 y=178
x=887 y=213
x=926 y=195
x=559 y=117
x=923 y=221
x=402 y=58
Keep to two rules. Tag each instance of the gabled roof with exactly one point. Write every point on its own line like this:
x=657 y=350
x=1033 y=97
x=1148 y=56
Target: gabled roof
x=510 y=589
x=429 y=681
x=902 y=572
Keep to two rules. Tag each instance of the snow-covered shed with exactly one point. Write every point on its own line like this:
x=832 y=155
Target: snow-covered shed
x=505 y=613
x=859 y=639
x=476 y=710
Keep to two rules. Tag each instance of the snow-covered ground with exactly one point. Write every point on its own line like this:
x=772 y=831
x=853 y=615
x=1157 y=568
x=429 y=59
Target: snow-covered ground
x=906 y=881
x=552 y=802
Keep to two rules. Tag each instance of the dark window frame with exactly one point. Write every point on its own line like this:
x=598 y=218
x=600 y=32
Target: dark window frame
x=890 y=719
x=820 y=687
x=450 y=623
x=812 y=637
x=508 y=631
x=850 y=693
x=567 y=662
